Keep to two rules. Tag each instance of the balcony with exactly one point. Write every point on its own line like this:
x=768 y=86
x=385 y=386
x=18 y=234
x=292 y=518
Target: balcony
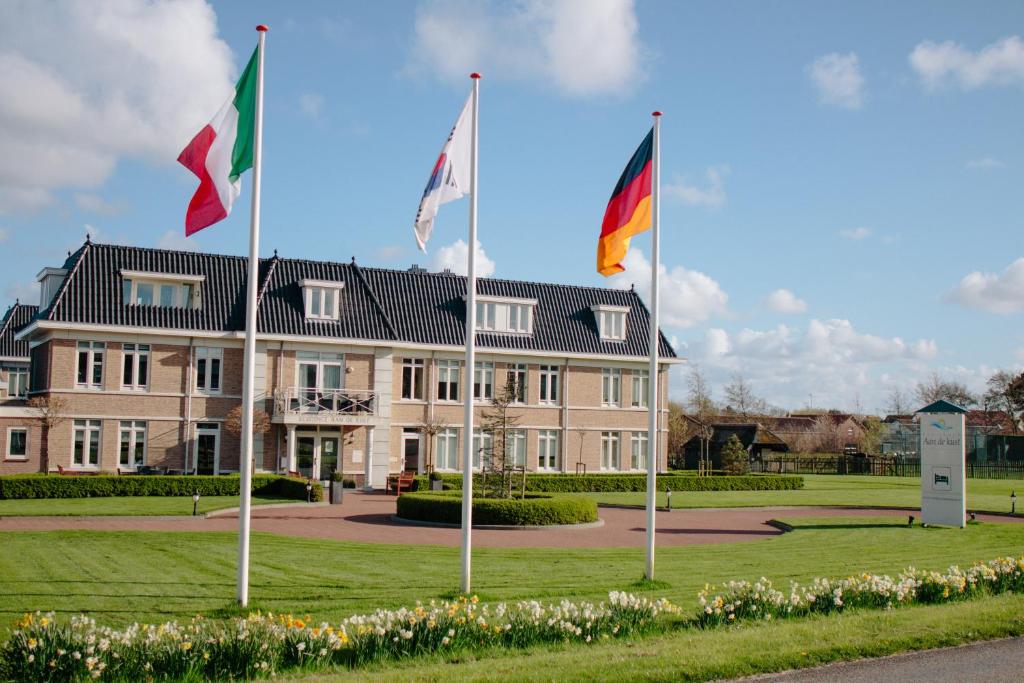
x=300 y=405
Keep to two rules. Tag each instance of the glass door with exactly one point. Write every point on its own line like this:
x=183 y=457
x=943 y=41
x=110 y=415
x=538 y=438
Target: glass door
x=328 y=457
x=308 y=384
x=304 y=452
x=207 y=449
x=411 y=448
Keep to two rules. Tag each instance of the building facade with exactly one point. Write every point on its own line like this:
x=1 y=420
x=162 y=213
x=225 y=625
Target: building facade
x=358 y=369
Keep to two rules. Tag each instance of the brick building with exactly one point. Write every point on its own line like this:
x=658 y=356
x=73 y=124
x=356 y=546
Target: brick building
x=145 y=346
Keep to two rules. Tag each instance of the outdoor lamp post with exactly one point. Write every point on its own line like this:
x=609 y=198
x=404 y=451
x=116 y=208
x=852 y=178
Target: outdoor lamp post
x=1013 y=502
x=668 y=496
x=195 y=502
x=910 y=520
x=309 y=490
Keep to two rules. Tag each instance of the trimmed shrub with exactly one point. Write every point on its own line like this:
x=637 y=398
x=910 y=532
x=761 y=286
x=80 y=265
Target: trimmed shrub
x=534 y=510
x=613 y=483
x=102 y=486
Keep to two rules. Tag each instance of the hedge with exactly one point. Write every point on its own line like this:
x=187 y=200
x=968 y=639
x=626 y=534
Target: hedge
x=101 y=486
x=534 y=510
x=609 y=483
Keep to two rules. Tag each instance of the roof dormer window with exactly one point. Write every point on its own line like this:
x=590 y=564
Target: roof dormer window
x=509 y=316
x=322 y=299
x=167 y=290
x=611 y=321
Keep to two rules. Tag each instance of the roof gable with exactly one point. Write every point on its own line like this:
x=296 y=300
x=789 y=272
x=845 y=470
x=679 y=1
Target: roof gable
x=16 y=317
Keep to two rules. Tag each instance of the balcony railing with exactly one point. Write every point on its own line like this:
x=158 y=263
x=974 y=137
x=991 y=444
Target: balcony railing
x=324 y=405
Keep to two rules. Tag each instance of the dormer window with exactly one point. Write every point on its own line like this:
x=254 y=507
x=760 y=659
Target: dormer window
x=611 y=321
x=510 y=316
x=322 y=299
x=168 y=290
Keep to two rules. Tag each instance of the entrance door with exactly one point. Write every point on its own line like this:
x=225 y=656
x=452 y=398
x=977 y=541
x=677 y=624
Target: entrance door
x=328 y=457
x=411 y=450
x=305 y=450
x=207 y=448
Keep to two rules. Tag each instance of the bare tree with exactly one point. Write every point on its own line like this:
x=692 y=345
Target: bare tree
x=429 y=428
x=698 y=398
x=1005 y=392
x=740 y=397
x=680 y=431
x=820 y=436
x=233 y=421
x=499 y=422
x=935 y=388
x=50 y=412
x=897 y=404
x=871 y=438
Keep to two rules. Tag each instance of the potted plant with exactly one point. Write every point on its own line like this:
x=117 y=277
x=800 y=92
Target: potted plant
x=337 y=487
x=436 y=483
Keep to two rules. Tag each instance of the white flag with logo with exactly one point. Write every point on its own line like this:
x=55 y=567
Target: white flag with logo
x=450 y=178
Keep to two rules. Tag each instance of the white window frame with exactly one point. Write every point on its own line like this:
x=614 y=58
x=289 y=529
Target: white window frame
x=450 y=438
x=7 y=451
x=515 y=447
x=549 y=380
x=449 y=377
x=519 y=371
x=187 y=288
x=548 y=454
x=611 y=321
x=611 y=451
x=322 y=299
x=206 y=430
x=321 y=360
x=483 y=440
x=136 y=430
x=639 y=451
x=641 y=388
x=611 y=387
x=209 y=354
x=17 y=381
x=95 y=357
x=505 y=315
x=417 y=379
x=135 y=352
x=483 y=380
x=87 y=428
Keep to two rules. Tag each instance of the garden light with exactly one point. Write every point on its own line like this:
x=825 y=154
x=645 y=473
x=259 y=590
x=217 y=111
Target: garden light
x=668 y=495
x=309 y=491
x=195 y=503
x=910 y=520
x=1013 y=502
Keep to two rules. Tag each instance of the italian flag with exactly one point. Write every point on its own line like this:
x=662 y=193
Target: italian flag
x=221 y=152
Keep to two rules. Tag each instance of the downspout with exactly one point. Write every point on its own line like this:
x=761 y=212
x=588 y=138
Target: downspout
x=188 y=400
x=277 y=391
x=565 y=418
x=431 y=382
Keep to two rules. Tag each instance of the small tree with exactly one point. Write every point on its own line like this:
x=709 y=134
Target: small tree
x=233 y=423
x=50 y=411
x=871 y=439
x=499 y=421
x=429 y=428
x=734 y=457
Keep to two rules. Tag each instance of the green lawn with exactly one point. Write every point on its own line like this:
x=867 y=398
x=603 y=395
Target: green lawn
x=130 y=505
x=992 y=495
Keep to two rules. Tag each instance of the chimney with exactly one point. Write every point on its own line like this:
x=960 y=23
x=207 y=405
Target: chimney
x=50 y=280
x=417 y=270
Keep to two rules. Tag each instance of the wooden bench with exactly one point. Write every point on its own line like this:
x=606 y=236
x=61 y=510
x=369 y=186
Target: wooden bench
x=403 y=480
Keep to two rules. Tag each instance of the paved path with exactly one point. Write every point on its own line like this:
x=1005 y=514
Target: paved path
x=996 y=661
x=367 y=517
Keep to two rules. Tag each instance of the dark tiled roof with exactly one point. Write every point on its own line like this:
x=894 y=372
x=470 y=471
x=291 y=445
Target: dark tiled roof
x=376 y=304
x=16 y=317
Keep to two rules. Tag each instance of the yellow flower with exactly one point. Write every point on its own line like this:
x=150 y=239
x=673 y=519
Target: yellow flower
x=474 y=600
x=44 y=621
x=32 y=642
x=206 y=656
x=186 y=646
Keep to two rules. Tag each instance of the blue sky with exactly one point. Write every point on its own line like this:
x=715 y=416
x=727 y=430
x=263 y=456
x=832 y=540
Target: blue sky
x=865 y=158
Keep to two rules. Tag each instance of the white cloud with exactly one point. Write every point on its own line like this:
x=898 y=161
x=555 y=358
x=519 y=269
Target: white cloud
x=984 y=163
x=1001 y=293
x=389 y=253
x=855 y=233
x=949 y=63
x=785 y=301
x=98 y=205
x=711 y=196
x=25 y=292
x=311 y=104
x=454 y=256
x=687 y=296
x=86 y=84
x=175 y=240
x=581 y=47
x=838 y=80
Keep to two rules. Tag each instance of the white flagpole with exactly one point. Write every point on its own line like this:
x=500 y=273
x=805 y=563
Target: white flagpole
x=652 y=400
x=467 y=432
x=245 y=456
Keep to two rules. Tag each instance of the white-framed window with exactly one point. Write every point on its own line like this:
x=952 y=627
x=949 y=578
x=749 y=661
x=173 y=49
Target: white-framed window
x=17 y=381
x=549 y=384
x=511 y=316
x=611 y=387
x=319 y=372
x=206 y=449
x=610 y=450
x=483 y=442
x=515 y=447
x=447 y=442
x=611 y=321
x=90 y=364
x=85 y=450
x=17 y=443
x=135 y=374
x=483 y=381
x=547 y=450
x=638 y=452
x=516 y=375
x=412 y=379
x=209 y=364
x=132 y=444
x=448 y=380
x=322 y=299
x=641 y=388
x=167 y=290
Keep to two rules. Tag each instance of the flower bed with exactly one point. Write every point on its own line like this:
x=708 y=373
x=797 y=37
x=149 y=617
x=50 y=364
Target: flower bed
x=42 y=649
x=534 y=510
x=610 y=483
x=53 y=486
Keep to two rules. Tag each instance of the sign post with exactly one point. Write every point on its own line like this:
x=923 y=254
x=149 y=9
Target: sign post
x=943 y=464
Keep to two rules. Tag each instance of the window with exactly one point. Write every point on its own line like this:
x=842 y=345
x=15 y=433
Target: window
x=547 y=450
x=448 y=449
x=485 y=314
x=90 y=364
x=206 y=451
x=611 y=321
x=513 y=316
x=412 y=379
x=133 y=444
x=483 y=381
x=516 y=378
x=482 y=448
x=86 y=448
x=168 y=290
x=638 y=456
x=641 y=388
x=322 y=299
x=448 y=380
x=609 y=450
x=611 y=387
x=17 y=443
x=209 y=361
x=136 y=366
x=515 y=447
x=549 y=384
x=17 y=381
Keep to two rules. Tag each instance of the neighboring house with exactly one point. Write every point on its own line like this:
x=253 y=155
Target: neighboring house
x=19 y=440
x=757 y=439
x=146 y=346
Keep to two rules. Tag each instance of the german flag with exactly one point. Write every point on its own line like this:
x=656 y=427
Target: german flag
x=629 y=209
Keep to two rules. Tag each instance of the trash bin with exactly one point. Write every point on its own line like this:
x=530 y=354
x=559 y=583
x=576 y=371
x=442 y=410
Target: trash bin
x=436 y=485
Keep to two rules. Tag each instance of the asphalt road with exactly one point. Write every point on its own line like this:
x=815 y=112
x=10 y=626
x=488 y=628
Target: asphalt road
x=996 y=661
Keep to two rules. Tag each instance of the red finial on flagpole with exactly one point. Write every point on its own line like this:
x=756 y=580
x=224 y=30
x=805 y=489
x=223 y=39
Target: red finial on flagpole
x=474 y=75
x=655 y=113
x=262 y=28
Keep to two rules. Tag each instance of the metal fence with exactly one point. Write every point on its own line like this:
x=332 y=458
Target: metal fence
x=892 y=467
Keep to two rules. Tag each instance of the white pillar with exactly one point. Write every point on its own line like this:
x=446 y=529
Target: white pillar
x=292 y=457
x=368 y=460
